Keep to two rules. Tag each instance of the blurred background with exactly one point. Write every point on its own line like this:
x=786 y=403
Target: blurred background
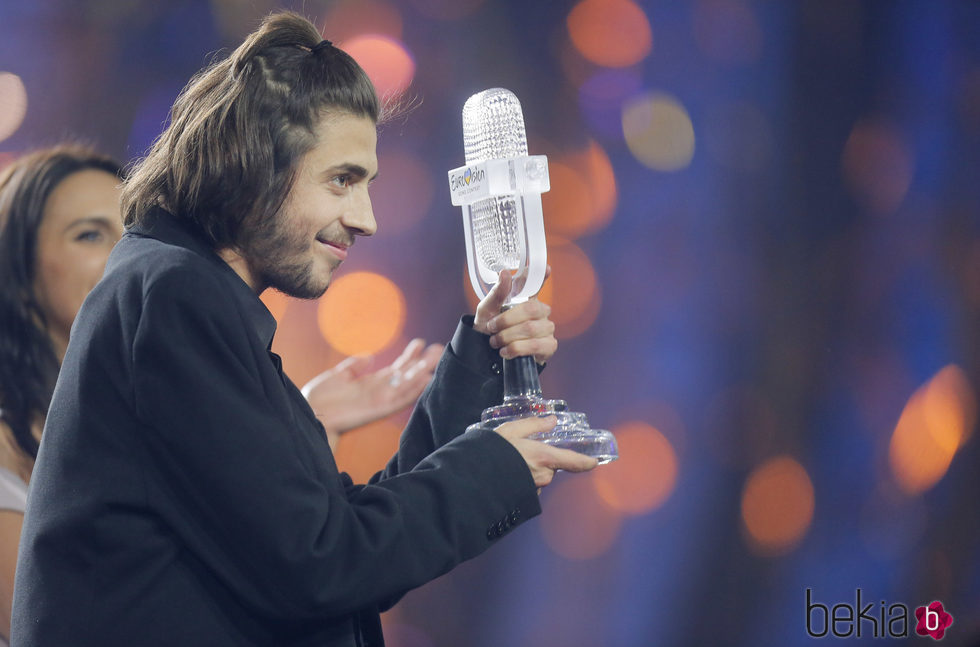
x=764 y=234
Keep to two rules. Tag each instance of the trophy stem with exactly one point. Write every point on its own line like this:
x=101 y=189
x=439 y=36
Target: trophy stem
x=521 y=379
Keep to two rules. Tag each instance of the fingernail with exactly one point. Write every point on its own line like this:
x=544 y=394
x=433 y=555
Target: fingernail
x=492 y=325
x=505 y=353
x=494 y=342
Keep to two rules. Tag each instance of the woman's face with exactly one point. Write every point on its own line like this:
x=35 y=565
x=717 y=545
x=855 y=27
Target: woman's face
x=82 y=220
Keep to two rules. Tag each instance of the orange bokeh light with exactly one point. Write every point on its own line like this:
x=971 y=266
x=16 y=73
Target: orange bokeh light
x=385 y=60
x=572 y=290
x=13 y=104
x=276 y=302
x=367 y=449
x=777 y=505
x=575 y=523
x=933 y=425
x=878 y=166
x=298 y=341
x=611 y=33
x=361 y=313
x=645 y=474
x=350 y=18
x=583 y=194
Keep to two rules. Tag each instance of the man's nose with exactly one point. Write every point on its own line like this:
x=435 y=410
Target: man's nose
x=360 y=216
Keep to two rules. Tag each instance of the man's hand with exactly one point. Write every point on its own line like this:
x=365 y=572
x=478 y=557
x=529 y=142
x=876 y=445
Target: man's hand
x=543 y=459
x=522 y=330
x=351 y=394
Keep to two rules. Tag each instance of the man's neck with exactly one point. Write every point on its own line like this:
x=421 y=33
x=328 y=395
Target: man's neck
x=237 y=263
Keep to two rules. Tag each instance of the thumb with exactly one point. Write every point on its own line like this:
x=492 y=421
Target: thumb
x=491 y=304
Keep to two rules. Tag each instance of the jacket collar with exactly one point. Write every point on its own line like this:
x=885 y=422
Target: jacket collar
x=162 y=225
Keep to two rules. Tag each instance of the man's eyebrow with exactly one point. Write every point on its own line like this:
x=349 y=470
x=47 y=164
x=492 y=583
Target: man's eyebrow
x=352 y=169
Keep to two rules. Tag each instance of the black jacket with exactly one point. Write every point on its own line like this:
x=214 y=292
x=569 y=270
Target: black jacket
x=185 y=494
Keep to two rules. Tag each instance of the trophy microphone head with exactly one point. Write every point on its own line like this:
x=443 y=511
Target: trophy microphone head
x=493 y=128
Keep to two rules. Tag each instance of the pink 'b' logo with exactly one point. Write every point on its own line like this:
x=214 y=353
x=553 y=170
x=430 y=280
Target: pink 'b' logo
x=933 y=620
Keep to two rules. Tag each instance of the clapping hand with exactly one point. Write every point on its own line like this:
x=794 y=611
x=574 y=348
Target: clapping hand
x=354 y=393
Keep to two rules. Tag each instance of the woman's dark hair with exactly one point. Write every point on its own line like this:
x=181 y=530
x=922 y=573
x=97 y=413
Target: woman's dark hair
x=28 y=364
x=227 y=159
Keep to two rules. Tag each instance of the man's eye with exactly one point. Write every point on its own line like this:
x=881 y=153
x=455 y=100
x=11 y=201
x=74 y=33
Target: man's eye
x=342 y=180
x=89 y=236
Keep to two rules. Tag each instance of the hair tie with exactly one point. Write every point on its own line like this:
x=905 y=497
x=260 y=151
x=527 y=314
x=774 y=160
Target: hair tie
x=323 y=44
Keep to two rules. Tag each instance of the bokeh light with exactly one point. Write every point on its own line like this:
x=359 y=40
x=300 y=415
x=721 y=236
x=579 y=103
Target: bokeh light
x=386 y=61
x=402 y=194
x=276 y=302
x=933 y=425
x=575 y=523
x=572 y=290
x=878 y=166
x=611 y=33
x=298 y=341
x=361 y=313
x=777 y=505
x=583 y=193
x=727 y=31
x=645 y=474
x=658 y=131
x=13 y=104
x=351 y=18
x=367 y=449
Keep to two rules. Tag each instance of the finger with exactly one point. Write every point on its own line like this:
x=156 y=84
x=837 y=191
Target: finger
x=411 y=352
x=527 y=311
x=433 y=354
x=359 y=365
x=533 y=329
x=570 y=461
x=493 y=302
x=417 y=368
x=526 y=427
x=541 y=348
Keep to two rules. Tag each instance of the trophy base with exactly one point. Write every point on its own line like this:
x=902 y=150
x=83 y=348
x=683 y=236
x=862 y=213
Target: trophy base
x=572 y=431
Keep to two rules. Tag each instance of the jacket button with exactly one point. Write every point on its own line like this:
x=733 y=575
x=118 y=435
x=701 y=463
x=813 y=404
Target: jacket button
x=501 y=528
x=515 y=516
x=495 y=368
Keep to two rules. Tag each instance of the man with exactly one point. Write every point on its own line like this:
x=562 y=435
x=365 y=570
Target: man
x=185 y=493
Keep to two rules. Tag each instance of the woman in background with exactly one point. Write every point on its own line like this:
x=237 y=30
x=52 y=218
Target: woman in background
x=59 y=219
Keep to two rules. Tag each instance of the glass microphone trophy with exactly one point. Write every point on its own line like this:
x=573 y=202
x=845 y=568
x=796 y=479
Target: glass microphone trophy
x=500 y=191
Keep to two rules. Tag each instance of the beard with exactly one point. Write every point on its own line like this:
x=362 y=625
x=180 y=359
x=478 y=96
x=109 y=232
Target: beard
x=281 y=258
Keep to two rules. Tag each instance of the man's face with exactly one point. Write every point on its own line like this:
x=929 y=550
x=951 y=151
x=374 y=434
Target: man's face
x=328 y=206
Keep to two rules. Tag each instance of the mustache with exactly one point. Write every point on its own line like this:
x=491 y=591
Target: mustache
x=345 y=239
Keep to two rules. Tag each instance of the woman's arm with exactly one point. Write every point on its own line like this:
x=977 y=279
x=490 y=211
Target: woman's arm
x=10 y=525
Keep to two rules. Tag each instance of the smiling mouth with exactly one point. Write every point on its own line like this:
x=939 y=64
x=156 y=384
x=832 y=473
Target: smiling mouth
x=337 y=249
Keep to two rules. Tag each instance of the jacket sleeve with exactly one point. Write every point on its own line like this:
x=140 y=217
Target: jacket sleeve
x=232 y=475
x=466 y=381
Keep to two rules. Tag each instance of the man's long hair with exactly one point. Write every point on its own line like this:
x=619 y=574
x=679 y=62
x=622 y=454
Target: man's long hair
x=28 y=364
x=228 y=157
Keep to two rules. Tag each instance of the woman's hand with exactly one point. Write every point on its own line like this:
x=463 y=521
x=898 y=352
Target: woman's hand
x=352 y=393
